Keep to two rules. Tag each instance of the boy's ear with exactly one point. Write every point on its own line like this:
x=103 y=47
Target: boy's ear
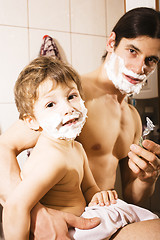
x=111 y=42
x=31 y=122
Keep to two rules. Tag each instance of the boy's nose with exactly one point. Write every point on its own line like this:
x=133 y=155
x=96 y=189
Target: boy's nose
x=68 y=109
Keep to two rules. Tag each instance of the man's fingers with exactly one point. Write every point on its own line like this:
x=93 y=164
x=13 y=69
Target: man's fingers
x=152 y=146
x=81 y=223
x=148 y=156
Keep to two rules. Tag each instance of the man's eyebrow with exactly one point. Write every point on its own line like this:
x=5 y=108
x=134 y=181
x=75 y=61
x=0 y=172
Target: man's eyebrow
x=134 y=47
x=155 y=57
x=138 y=50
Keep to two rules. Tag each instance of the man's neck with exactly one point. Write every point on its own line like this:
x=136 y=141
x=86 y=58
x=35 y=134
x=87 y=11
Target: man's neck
x=107 y=85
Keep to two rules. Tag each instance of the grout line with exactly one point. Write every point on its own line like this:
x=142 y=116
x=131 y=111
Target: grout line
x=7 y=102
x=52 y=30
x=106 y=17
x=7 y=25
x=70 y=30
x=28 y=30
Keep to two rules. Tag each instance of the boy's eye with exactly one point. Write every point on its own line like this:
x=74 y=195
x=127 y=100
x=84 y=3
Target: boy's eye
x=49 y=105
x=72 y=96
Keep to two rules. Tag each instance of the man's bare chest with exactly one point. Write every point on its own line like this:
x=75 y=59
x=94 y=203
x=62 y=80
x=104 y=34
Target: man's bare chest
x=108 y=130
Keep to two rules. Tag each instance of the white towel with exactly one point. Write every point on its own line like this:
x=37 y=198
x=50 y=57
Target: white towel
x=112 y=218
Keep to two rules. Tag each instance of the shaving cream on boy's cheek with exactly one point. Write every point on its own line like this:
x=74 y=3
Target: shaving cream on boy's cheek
x=115 y=74
x=55 y=127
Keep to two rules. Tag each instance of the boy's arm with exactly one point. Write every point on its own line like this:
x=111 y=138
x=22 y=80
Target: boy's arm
x=16 y=212
x=89 y=186
x=17 y=138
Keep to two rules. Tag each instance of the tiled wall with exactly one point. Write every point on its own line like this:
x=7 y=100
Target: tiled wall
x=79 y=27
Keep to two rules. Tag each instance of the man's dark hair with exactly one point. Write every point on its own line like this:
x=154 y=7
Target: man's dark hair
x=137 y=22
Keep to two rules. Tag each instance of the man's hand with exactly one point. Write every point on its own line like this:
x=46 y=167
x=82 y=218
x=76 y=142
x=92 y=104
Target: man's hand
x=52 y=224
x=145 y=162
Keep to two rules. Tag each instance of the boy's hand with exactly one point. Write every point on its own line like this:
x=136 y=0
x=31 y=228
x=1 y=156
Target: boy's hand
x=104 y=198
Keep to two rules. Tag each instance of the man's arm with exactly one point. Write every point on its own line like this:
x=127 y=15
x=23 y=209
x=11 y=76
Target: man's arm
x=53 y=224
x=140 y=172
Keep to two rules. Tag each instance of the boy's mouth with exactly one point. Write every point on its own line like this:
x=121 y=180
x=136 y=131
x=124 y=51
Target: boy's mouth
x=70 y=122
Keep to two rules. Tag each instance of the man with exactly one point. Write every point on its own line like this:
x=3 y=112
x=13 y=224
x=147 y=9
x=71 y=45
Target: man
x=112 y=129
x=132 y=55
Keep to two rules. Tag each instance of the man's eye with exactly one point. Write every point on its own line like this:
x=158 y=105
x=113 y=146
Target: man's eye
x=151 y=61
x=132 y=51
x=49 y=105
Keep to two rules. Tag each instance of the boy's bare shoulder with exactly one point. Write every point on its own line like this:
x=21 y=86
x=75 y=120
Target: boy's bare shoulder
x=79 y=146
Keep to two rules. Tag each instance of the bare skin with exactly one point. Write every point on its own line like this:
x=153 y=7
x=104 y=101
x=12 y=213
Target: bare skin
x=142 y=230
x=113 y=126
x=57 y=172
x=118 y=129
x=114 y=119
x=64 y=176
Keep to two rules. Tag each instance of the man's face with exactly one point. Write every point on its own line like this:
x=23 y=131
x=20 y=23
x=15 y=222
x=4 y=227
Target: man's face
x=131 y=63
x=59 y=110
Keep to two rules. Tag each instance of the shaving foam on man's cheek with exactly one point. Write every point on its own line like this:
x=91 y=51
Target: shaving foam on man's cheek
x=116 y=75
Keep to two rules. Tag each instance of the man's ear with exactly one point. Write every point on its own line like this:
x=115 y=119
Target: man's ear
x=31 y=122
x=111 y=42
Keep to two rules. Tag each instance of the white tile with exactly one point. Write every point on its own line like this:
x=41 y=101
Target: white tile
x=13 y=12
x=61 y=39
x=87 y=52
x=143 y=3
x=49 y=14
x=8 y=115
x=14 y=56
x=88 y=17
x=113 y=13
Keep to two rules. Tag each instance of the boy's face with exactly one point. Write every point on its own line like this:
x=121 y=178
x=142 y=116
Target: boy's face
x=131 y=63
x=59 y=110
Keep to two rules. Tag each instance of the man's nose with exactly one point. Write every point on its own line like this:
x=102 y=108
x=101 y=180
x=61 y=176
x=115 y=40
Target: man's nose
x=140 y=66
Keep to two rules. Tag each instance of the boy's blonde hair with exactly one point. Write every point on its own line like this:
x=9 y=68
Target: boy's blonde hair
x=41 y=68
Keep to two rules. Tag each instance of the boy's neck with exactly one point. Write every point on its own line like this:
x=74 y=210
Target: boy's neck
x=63 y=142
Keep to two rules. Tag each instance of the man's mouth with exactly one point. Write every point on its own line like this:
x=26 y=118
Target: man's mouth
x=132 y=80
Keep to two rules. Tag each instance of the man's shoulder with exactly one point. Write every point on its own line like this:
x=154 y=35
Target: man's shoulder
x=133 y=109
x=88 y=85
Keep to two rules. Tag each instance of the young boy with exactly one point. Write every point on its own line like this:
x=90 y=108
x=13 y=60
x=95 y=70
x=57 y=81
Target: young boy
x=47 y=95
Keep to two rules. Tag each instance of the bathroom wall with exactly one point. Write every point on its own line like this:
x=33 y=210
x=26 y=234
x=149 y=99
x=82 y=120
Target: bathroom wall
x=79 y=27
